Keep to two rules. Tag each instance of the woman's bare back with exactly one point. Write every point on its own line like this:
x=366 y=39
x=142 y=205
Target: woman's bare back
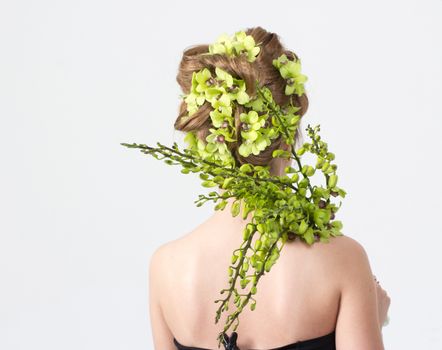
x=298 y=299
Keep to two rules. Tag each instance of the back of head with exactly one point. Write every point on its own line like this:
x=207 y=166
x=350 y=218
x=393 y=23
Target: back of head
x=261 y=69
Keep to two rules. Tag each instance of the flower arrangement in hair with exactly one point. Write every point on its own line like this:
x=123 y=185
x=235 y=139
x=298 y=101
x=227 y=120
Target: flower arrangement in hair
x=242 y=103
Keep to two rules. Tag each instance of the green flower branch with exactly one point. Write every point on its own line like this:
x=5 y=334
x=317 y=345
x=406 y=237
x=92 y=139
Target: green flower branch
x=210 y=172
x=240 y=299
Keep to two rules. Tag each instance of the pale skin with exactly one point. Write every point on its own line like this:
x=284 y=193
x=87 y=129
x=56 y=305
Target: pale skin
x=310 y=292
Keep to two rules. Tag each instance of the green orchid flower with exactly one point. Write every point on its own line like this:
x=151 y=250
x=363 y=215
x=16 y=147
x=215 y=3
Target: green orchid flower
x=216 y=145
x=195 y=145
x=257 y=104
x=199 y=81
x=291 y=71
x=239 y=43
x=215 y=148
x=198 y=89
x=238 y=91
x=220 y=119
x=223 y=76
x=192 y=105
x=223 y=104
x=245 y=43
x=256 y=137
x=223 y=45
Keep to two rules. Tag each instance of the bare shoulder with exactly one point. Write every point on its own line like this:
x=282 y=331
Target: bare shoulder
x=159 y=269
x=358 y=305
x=346 y=247
x=164 y=253
x=341 y=247
x=350 y=258
x=156 y=262
x=167 y=255
x=342 y=254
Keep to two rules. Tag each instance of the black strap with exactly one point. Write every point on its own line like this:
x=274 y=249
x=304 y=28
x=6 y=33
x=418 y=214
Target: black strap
x=230 y=343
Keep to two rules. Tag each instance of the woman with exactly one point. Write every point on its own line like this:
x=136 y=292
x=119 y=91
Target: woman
x=322 y=296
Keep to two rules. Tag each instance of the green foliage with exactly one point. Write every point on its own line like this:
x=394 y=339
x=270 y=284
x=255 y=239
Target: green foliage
x=281 y=208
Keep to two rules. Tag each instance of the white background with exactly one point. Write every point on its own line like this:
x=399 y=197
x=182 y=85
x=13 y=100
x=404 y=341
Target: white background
x=81 y=214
